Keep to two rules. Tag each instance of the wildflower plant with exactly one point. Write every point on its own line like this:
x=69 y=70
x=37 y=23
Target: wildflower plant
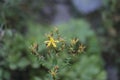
x=55 y=48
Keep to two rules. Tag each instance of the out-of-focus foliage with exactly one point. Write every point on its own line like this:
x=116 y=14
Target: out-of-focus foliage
x=14 y=13
x=111 y=37
x=16 y=62
x=111 y=22
x=93 y=63
x=90 y=58
x=16 y=58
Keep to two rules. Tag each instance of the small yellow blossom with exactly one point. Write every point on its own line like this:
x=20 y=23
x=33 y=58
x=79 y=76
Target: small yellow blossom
x=51 y=42
x=81 y=48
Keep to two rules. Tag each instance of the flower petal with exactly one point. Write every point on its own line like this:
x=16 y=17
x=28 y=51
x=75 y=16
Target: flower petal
x=54 y=45
x=56 y=41
x=48 y=44
x=46 y=41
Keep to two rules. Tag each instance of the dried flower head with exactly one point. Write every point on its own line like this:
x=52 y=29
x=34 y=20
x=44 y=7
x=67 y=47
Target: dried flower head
x=81 y=48
x=34 y=48
x=54 y=71
x=74 y=41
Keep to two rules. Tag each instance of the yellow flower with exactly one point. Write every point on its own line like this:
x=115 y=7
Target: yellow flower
x=81 y=48
x=51 y=42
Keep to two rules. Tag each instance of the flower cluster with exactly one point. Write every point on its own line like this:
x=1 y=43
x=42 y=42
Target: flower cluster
x=76 y=47
x=55 y=44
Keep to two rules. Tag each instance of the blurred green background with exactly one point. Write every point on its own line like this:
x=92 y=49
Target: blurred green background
x=23 y=22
